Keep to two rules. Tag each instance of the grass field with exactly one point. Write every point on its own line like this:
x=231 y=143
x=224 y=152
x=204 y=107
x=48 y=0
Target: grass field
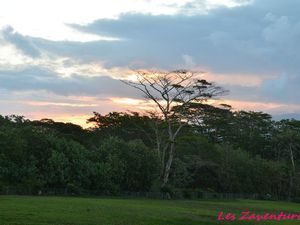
x=23 y=210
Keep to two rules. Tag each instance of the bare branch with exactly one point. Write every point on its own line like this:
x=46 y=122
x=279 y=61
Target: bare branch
x=169 y=90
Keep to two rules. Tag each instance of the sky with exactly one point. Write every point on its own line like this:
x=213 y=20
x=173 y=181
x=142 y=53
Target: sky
x=63 y=59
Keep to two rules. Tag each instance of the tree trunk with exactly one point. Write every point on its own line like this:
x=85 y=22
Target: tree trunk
x=292 y=157
x=172 y=137
x=292 y=175
x=168 y=165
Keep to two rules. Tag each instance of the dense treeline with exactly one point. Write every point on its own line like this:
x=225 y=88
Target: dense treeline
x=220 y=151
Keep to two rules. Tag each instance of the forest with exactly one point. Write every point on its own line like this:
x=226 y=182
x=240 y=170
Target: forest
x=216 y=149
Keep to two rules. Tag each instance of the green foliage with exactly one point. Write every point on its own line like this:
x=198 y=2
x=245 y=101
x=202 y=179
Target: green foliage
x=133 y=166
x=221 y=151
x=127 y=126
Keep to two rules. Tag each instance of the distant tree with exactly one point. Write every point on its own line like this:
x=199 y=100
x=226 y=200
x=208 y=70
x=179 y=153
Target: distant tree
x=214 y=122
x=67 y=130
x=131 y=165
x=287 y=144
x=128 y=126
x=252 y=131
x=167 y=90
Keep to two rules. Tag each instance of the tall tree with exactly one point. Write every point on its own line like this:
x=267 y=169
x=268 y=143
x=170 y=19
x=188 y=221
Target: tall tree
x=287 y=143
x=167 y=90
x=128 y=126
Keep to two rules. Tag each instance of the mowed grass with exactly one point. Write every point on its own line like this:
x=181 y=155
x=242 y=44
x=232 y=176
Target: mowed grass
x=27 y=210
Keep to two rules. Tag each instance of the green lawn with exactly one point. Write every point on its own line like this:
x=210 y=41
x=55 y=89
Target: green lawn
x=103 y=211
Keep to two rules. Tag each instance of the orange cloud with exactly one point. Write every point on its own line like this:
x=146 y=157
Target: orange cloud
x=238 y=79
x=60 y=114
x=269 y=107
x=43 y=103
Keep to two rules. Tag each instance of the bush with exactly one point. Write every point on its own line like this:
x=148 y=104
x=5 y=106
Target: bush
x=73 y=189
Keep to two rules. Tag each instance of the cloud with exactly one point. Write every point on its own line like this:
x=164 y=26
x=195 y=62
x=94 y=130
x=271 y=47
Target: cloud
x=227 y=40
x=247 y=39
x=23 y=43
x=282 y=89
x=37 y=78
x=258 y=38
